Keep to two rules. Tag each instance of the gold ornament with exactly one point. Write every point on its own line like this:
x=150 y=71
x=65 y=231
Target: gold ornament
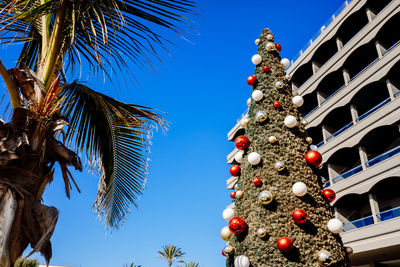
x=261 y=116
x=348 y=250
x=257 y=41
x=270 y=46
x=279 y=166
x=239 y=194
x=324 y=258
x=309 y=140
x=265 y=197
x=226 y=233
x=272 y=139
x=229 y=249
x=270 y=37
x=261 y=232
x=245 y=122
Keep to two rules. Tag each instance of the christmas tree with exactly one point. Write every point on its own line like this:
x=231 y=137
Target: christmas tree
x=281 y=216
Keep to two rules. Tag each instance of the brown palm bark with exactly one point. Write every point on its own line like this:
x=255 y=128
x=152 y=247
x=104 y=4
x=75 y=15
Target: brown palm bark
x=308 y=238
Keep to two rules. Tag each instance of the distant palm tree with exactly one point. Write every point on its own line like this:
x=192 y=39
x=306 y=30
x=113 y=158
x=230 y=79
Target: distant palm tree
x=171 y=253
x=132 y=265
x=191 y=264
x=21 y=262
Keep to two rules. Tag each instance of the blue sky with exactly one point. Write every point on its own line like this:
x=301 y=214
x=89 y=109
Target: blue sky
x=203 y=90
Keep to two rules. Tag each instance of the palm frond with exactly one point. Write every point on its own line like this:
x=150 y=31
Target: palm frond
x=116 y=136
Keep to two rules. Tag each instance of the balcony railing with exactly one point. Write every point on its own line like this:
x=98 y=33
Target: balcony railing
x=341 y=130
x=368 y=164
x=388 y=214
x=358 y=223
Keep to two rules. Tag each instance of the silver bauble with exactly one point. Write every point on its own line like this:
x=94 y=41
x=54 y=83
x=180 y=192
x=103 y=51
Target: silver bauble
x=279 y=84
x=324 y=258
x=261 y=116
x=261 y=232
x=279 y=166
x=265 y=197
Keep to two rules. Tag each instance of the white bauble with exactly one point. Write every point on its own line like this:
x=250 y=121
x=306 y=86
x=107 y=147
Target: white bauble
x=285 y=62
x=248 y=101
x=226 y=233
x=313 y=147
x=335 y=226
x=257 y=95
x=270 y=37
x=299 y=189
x=228 y=214
x=244 y=122
x=254 y=158
x=256 y=59
x=239 y=156
x=290 y=121
x=242 y=261
x=272 y=139
x=298 y=101
x=279 y=84
x=257 y=41
x=270 y=46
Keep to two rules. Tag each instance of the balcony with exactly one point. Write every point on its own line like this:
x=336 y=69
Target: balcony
x=358 y=223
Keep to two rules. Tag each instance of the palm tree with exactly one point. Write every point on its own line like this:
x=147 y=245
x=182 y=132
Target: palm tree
x=191 y=264
x=132 y=265
x=22 y=262
x=57 y=35
x=170 y=253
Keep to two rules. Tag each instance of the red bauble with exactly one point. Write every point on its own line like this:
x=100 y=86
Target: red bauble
x=285 y=244
x=257 y=181
x=223 y=253
x=251 y=80
x=266 y=68
x=237 y=225
x=235 y=170
x=314 y=158
x=329 y=195
x=242 y=142
x=277 y=104
x=278 y=47
x=233 y=194
x=299 y=216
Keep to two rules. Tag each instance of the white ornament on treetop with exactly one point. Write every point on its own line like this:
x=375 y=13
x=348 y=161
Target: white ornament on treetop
x=270 y=37
x=279 y=84
x=239 y=194
x=244 y=122
x=242 y=261
x=228 y=214
x=239 y=156
x=299 y=189
x=270 y=46
x=298 y=101
x=226 y=233
x=335 y=226
x=256 y=59
x=257 y=95
x=257 y=41
x=254 y=158
x=285 y=62
x=290 y=121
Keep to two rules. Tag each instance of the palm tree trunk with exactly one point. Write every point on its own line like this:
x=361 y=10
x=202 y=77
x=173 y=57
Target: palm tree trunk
x=8 y=208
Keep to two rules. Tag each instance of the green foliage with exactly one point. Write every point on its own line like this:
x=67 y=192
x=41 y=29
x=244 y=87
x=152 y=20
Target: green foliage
x=21 y=262
x=191 y=264
x=132 y=265
x=171 y=253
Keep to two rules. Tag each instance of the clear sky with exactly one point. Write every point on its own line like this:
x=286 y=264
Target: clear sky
x=203 y=90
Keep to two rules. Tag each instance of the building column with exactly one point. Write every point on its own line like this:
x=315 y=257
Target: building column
x=371 y=15
x=339 y=216
x=363 y=156
x=374 y=207
x=320 y=98
x=346 y=76
x=315 y=66
x=339 y=43
x=380 y=49
x=354 y=113
x=332 y=173
x=325 y=133
x=391 y=88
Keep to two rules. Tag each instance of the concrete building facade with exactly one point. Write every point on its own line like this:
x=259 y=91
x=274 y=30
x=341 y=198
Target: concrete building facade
x=349 y=77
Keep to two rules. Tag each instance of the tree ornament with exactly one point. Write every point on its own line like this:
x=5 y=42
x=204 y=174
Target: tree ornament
x=278 y=47
x=290 y=121
x=313 y=148
x=348 y=250
x=270 y=46
x=335 y=226
x=257 y=41
x=254 y=158
x=272 y=139
x=304 y=122
x=256 y=59
x=299 y=189
x=237 y=225
x=277 y=104
x=229 y=250
x=285 y=244
x=270 y=37
x=242 y=142
x=261 y=232
x=265 y=197
x=288 y=77
x=261 y=116
x=266 y=68
x=329 y=195
x=236 y=187
x=313 y=158
x=239 y=194
x=239 y=156
x=279 y=84
x=228 y=214
x=248 y=101
x=223 y=253
x=257 y=181
x=226 y=233
x=299 y=216
x=244 y=122
x=232 y=194
x=285 y=62
x=298 y=101
x=309 y=140
x=251 y=80
x=235 y=170
x=257 y=95
x=242 y=261
x=324 y=258
x=279 y=166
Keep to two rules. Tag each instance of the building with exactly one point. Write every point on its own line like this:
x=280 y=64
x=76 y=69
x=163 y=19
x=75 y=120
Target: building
x=349 y=77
